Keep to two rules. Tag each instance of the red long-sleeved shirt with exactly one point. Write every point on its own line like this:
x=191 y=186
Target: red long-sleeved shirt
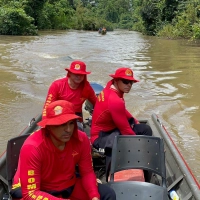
x=43 y=167
x=110 y=113
x=60 y=90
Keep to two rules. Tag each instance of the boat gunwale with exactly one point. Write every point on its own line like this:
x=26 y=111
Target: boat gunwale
x=185 y=169
x=28 y=129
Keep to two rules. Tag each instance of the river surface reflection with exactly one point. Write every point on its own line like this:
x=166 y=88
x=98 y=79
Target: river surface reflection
x=168 y=70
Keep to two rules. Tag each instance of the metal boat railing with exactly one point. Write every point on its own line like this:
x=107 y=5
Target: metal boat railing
x=186 y=171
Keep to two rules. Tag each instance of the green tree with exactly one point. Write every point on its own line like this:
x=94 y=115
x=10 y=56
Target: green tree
x=153 y=17
x=33 y=8
x=150 y=13
x=55 y=15
x=16 y=22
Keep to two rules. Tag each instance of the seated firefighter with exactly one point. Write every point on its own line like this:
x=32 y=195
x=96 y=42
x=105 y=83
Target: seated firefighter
x=73 y=88
x=110 y=116
x=48 y=160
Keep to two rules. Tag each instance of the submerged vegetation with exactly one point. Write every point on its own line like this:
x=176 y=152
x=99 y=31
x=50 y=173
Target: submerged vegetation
x=164 y=18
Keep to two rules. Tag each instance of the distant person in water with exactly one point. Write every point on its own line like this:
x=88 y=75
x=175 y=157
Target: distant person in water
x=110 y=116
x=74 y=88
x=49 y=158
x=100 y=29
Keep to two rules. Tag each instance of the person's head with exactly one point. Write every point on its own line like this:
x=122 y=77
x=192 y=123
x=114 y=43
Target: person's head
x=124 y=79
x=60 y=120
x=77 y=71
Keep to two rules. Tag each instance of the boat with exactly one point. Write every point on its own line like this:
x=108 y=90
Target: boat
x=179 y=176
x=102 y=31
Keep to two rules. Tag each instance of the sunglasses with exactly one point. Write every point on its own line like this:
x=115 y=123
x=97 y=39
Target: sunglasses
x=126 y=82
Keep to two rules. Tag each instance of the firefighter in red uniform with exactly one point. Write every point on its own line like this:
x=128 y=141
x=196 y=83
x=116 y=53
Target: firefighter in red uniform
x=110 y=116
x=73 y=88
x=49 y=157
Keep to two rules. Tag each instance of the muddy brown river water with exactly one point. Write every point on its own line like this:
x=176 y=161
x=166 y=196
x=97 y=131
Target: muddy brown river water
x=168 y=70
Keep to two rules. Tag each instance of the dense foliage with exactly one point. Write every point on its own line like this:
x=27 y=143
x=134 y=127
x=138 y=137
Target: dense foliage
x=167 y=18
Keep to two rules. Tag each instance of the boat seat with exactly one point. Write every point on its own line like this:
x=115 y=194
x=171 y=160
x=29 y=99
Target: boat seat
x=129 y=190
x=138 y=152
x=13 y=150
